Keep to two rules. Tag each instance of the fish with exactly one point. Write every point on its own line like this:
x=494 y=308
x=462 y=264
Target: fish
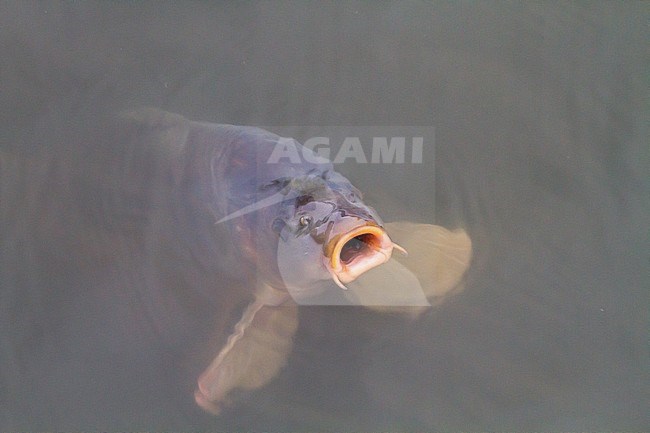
x=291 y=231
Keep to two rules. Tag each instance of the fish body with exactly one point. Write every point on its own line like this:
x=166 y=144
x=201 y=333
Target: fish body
x=280 y=226
x=307 y=211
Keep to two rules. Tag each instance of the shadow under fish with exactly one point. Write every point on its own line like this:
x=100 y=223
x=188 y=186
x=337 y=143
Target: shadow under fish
x=300 y=234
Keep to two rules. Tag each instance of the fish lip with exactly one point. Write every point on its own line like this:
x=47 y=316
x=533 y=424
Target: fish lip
x=378 y=250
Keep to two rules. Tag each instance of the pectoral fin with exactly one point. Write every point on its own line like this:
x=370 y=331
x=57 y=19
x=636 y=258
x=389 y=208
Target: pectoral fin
x=390 y=284
x=254 y=353
x=437 y=256
x=434 y=267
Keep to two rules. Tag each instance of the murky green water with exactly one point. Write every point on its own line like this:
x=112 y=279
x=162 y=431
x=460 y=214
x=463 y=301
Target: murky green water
x=541 y=154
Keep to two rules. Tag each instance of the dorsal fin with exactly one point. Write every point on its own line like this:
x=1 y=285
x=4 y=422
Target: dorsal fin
x=156 y=133
x=130 y=163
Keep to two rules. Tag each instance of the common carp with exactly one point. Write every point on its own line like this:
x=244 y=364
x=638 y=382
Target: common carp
x=285 y=229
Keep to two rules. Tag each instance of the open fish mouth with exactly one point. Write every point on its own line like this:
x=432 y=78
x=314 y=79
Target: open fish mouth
x=358 y=251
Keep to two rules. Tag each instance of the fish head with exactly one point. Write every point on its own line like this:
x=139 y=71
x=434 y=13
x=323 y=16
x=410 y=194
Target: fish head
x=299 y=222
x=324 y=231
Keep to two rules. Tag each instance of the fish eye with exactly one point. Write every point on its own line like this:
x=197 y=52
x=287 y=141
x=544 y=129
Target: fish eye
x=305 y=220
